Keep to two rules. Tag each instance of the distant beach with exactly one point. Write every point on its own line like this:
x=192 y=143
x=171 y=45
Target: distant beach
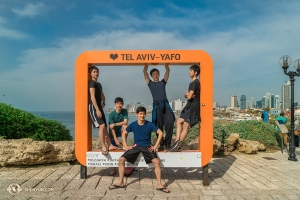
x=67 y=118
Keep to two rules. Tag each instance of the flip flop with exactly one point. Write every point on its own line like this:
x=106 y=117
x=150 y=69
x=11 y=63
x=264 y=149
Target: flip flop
x=115 y=187
x=104 y=152
x=165 y=190
x=112 y=173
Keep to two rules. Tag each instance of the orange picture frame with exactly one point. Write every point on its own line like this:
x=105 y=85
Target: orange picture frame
x=83 y=132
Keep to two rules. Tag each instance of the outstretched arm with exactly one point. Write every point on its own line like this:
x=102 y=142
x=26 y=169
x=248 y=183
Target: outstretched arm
x=146 y=75
x=160 y=135
x=166 y=77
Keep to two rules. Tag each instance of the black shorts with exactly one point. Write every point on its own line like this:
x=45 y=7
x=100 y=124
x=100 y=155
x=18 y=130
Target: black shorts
x=186 y=115
x=96 y=121
x=132 y=154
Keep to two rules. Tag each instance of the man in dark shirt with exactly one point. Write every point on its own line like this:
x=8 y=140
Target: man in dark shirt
x=96 y=105
x=142 y=144
x=162 y=113
x=190 y=114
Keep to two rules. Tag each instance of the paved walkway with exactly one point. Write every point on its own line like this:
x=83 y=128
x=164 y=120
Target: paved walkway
x=240 y=176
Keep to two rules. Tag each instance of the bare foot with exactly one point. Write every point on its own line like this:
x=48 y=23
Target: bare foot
x=112 y=147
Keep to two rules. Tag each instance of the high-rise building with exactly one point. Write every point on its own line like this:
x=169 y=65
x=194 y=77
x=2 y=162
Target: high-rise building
x=252 y=102
x=272 y=101
x=263 y=102
x=268 y=100
x=234 y=103
x=215 y=105
x=285 y=95
x=248 y=104
x=177 y=105
x=259 y=104
x=243 y=102
x=277 y=102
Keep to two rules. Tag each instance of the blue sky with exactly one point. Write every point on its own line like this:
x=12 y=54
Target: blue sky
x=40 y=41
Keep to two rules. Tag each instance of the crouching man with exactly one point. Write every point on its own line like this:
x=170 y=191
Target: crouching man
x=142 y=144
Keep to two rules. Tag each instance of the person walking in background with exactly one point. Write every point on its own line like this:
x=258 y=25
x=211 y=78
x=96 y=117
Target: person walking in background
x=162 y=113
x=282 y=120
x=296 y=131
x=117 y=121
x=190 y=114
x=265 y=115
x=96 y=105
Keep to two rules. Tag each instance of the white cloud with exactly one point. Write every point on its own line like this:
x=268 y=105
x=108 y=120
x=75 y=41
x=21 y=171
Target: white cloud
x=8 y=32
x=31 y=10
x=245 y=62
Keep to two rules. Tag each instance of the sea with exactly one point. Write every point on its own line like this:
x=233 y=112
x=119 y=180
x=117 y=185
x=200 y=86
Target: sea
x=67 y=118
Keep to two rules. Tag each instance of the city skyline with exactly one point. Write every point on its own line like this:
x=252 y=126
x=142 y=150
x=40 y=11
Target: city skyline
x=273 y=101
x=244 y=38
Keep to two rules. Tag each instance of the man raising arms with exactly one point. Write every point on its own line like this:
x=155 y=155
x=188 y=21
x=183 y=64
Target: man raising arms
x=162 y=114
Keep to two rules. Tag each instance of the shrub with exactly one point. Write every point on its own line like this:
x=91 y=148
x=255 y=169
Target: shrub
x=221 y=133
x=255 y=130
x=192 y=134
x=249 y=130
x=16 y=124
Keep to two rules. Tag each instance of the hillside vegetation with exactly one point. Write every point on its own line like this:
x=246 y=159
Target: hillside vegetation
x=16 y=124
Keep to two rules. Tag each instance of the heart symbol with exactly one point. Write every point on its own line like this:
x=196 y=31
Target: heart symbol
x=113 y=56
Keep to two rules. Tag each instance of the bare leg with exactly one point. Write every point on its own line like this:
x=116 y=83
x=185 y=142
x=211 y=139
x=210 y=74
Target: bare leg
x=108 y=142
x=102 y=136
x=179 y=123
x=107 y=139
x=184 y=131
x=156 y=164
x=122 y=161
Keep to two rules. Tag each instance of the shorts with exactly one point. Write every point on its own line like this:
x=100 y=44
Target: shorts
x=96 y=121
x=186 y=114
x=132 y=154
x=119 y=134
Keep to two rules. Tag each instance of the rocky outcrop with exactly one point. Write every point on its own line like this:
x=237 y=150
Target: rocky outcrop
x=30 y=152
x=194 y=145
x=250 y=147
x=217 y=146
x=232 y=142
x=245 y=146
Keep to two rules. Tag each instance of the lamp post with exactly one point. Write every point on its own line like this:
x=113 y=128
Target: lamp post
x=285 y=61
